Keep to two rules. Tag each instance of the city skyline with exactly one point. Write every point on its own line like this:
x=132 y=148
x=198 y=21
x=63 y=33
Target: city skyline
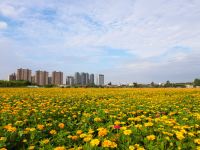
x=43 y=78
x=128 y=41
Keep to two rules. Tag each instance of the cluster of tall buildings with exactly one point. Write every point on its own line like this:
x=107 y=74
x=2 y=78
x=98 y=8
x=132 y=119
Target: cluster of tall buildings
x=85 y=79
x=42 y=78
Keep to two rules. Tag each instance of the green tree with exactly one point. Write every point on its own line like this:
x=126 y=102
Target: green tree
x=196 y=82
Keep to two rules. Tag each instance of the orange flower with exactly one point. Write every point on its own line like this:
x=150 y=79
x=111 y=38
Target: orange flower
x=74 y=137
x=102 y=132
x=40 y=126
x=61 y=125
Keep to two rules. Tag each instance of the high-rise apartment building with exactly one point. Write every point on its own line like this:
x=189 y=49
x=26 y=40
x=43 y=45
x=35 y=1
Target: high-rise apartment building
x=70 y=80
x=77 y=78
x=91 y=78
x=87 y=78
x=12 y=77
x=41 y=77
x=33 y=79
x=100 y=79
x=24 y=74
x=83 y=78
x=49 y=80
x=57 y=78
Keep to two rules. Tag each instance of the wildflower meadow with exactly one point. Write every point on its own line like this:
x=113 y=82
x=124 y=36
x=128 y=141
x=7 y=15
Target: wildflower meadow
x=99 y=119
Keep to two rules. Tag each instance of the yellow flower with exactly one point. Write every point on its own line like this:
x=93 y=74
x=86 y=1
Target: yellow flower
x=45 y=141
x=108 y=143
x=31 y=147
x=79 y=132
x=127 y=132
x=167 y=138
x=137 y=145
x=180 y=135
x=3 y=149
x=40 y=126
x=191 y=134
x=97 y=119
x=197 y=141
x=149 y=124
x=90 y=131
x=117 y=122
x=53 y=132
x=3 y=138
x=113 y=145
x=141 y=148
x=131 y=147
x=183 y=131
x=83 y=135
x=60 y=148
x=69 y=136
x=87 y=139
x=94 y=142
x=139 y=126
x=61 y=125
x=32 y=129
x=123 y=128
x=151 y=137
x=102 y=132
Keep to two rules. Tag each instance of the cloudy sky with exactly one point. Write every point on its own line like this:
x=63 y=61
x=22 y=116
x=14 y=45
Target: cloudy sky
x=126 y=40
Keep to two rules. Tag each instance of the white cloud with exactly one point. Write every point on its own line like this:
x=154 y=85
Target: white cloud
x=76 y=29
x=3 y=25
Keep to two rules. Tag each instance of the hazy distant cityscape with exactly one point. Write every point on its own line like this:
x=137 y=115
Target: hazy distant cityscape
x=42 y=78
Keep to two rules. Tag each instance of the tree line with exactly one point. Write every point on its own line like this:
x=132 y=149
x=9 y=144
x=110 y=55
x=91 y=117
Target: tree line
x=22 y=83
x=18 y=83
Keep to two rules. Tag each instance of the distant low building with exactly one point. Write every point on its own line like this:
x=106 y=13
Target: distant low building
x=189 y=86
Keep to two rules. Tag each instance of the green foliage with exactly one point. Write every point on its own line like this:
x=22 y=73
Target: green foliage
x=20 y=83
x=197 y=82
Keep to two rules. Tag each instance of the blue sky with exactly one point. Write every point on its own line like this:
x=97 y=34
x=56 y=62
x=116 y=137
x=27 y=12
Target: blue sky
x=127 y=40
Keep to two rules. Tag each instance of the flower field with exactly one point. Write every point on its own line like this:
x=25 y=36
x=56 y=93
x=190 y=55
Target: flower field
x=98 y=119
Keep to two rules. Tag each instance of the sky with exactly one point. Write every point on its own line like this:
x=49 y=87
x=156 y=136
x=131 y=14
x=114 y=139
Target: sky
x=126 y=40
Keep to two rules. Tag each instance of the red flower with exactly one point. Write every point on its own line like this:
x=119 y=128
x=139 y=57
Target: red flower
x=117 y=126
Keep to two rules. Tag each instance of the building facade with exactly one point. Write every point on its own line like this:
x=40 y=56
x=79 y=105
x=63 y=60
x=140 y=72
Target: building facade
x=91 y=78
x=87 y=79
x=77 y=78
x=12 y=77
x=49 y=80
x=24 y=74
x=41 y=78
x=100 y=79
x=33 y=79
x=57 y=78
x=70 y=80
x=83 y=78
